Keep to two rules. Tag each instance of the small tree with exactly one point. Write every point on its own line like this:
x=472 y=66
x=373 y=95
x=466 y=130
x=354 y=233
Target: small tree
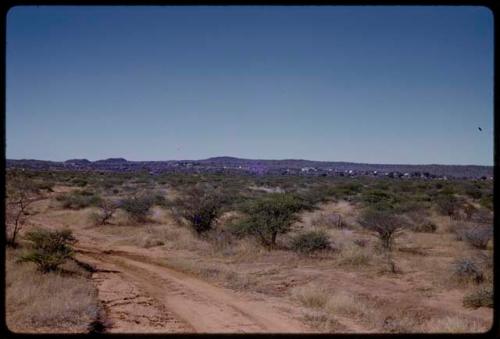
x=21 y=192
x=385 y=224
x=448 y=204
x=107 y=209
x=271 y=215
x=49 y=249
x=200 y=207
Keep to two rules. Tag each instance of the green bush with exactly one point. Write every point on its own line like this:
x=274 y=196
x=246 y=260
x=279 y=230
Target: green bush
x=310 y=242
x=378 y=199
x=269 y=216
x=137 y=207
x=200 y=207
x=78 y=199
x=79 y=182
x=483 y=297
x=487 y=201
x=49 y=249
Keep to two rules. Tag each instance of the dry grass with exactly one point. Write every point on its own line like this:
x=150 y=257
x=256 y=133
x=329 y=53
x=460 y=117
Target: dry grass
x=344 y=303
x=324 y=307
x=47 y=302
x=213 y=273
x=454 y=324
x=355 y=255
x=311 y=295
x=322 y=321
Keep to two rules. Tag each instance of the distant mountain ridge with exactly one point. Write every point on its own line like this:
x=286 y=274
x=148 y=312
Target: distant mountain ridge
x=259 y=166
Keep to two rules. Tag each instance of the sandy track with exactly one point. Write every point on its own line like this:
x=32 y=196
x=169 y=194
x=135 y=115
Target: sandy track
x=144 y=297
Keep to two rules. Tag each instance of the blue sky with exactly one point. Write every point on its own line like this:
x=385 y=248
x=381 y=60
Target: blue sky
x=363 y=84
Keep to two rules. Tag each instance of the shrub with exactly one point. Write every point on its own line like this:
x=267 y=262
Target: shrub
x=483 y=297
x=478 y=237
x=466 y=270
x=79 y=182
x=487 y=201
x=137 y=207
x=310 y=242
x=269 y=216
x=311 y=295
x=418 y=222
x=21 y=192
x=49 y=249
x=330 y=220
x=447 y=204
x=200 y=207
x=381 y=200
x=482 y=216
x=78 y=199
x=385 y=224
x=425 y=227
x=107 y=209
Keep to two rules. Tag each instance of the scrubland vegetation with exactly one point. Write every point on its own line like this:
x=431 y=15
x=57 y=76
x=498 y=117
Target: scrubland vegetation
x=352 y=254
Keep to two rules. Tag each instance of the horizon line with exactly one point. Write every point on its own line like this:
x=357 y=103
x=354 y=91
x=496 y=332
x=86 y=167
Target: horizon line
x=273 y=159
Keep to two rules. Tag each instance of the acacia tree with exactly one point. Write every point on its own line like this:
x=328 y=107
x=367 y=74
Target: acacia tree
x=271 y=215
x=387 y=226
x=200 y=206
x=21 y=192
x=107 y=209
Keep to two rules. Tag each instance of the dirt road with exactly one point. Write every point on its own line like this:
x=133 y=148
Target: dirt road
x=140 y=296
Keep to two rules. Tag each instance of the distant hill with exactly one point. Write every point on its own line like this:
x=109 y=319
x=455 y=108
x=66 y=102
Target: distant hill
x=256 y=166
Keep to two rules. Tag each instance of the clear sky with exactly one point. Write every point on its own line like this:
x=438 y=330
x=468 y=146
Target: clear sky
x=363 y=84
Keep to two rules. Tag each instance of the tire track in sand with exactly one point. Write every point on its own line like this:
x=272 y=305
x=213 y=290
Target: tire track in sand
x=196 y=306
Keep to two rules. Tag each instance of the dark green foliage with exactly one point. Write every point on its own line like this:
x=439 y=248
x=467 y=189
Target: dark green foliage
x=79 y=182
x=49 y=249
x=473 y=191
x=482 y=297
x=378 y=199
x=201 y=207
x=487 y=201
x=385 y=224
x=269 y=216
x=137 y=207
x=78 y=199
x=310 y=242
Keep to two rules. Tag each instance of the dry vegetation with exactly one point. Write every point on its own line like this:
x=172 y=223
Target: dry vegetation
x=326 y=259
x=49 y=303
